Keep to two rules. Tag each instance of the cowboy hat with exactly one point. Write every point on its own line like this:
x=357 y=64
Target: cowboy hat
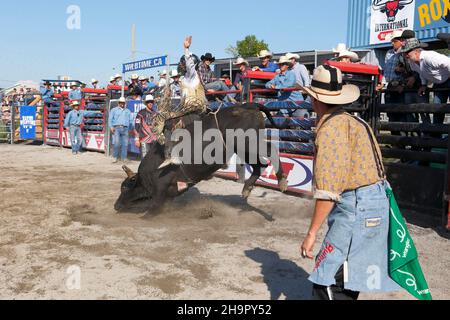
x=412 y=44
x=47 y=83
x=349 y=54
x=292 y=56
x=74 y=84
x=134 y=77
x=94 y=81
x=174 y=74
x=75 y=103
x=143 y=78
x=240 y=61
x=340 y=47
x=117 y=76
x=112 y=78
x=208 y=56
x=327 y=87
x=396 y=34
x=284 y=60
x=149 y=98
x=265 y=54
x=122 y=100
x=163 y=73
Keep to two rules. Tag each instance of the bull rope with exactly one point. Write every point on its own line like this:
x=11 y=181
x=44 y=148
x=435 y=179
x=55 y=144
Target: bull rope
x=221 y=104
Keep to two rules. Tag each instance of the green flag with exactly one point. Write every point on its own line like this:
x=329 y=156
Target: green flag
x=404 y=266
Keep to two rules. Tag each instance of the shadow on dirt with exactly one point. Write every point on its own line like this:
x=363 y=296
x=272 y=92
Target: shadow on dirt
x=283 y=277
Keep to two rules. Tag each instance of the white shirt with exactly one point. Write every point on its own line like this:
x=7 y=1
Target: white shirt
x=434 y=67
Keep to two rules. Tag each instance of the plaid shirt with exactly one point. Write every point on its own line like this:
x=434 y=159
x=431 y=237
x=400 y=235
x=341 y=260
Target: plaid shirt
x=391 y=62
x=205 y=73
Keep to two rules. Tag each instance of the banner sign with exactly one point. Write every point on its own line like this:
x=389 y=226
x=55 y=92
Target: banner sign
x=134 y=106
x=28 y=123
x=388 y=16
x=145 y=64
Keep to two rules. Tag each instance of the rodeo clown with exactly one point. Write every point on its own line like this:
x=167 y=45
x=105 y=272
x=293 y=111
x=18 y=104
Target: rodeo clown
x=193 y=99
x=350 y=189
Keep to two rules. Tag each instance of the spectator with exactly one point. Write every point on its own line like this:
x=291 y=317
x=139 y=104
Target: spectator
x=75 y=93
x=244 y=66
x=175 y=86
x=301 y=72
x=143 y=124
x=112 y=81
x=347 y=56
x=94 y=83
x=135 y=88
x=46 y=96
x=162 y=79
x=284 y=80
x=266 y=64
x=118 y=78
x=152 y=81
x=73 y=122
x=433 y=68
x=339 y=48
x=120 y=122
x=143 y=80
x=209 y=82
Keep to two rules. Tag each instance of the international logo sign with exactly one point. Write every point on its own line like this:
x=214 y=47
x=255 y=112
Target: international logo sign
x=28 y=123
x=388 y=16
x=145 y=64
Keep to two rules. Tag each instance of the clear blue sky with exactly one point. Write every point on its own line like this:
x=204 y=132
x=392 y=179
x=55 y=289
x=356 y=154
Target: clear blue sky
x=35 y=42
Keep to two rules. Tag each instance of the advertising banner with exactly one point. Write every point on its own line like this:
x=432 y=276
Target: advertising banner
x=28 y=123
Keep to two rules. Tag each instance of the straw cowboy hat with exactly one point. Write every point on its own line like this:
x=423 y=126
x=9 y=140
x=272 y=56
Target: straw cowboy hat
x=75 y=103
x=149 y=98
x=340 y=47
x=117 y=76
x=349 y=54
x=122 y=100
x=396 y=34
x=94 y=81
x=240 y=61
x=292 y=56
x=327 y=87
x=134 y=77
x=174 y=74
x=265 y=54
x=163 y=73
x=143 y=78
x=74 y=84
x=285 y=60
x=112 y=78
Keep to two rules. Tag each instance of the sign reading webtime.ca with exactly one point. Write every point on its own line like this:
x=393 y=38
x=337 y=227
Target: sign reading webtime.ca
x=145 y=64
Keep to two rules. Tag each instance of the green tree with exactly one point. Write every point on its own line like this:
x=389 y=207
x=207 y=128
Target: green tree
x=249 y=47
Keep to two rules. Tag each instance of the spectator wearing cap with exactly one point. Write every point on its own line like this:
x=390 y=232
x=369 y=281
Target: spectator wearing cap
x=75 y=92
x=144 y=136
x=243 y=66
x=266 y=65
x=284 y=80
x=433 y=68
x=94 y=83
x=209 y=82
x=120 y=123
x=74 y=120
x=301 y=72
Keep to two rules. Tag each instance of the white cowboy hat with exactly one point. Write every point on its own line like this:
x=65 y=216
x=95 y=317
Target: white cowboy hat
x=75 y=103
x=174 y=73
x=240 y=61
x=117 y=76
x=122 y=100
x=394 y=35
x=143 y=78
x=327 y=87
x=265 y=54
x=94 y=81
x=292 y=56
x=163 y=73
x=149 y=98
x=340 y=47
x=284 y=60
x=112 y=78
x=349 y=54
x=74 y=84
x=134 y=77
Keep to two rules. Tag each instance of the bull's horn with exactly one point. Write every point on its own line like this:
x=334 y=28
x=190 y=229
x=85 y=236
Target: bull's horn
x=129 y=172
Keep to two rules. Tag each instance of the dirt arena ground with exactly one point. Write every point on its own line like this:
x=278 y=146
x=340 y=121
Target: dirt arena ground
x=56 y=211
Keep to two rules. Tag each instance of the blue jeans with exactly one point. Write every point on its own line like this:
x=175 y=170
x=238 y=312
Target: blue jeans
x=76 y=139
x=121 y=140
x=358 y=240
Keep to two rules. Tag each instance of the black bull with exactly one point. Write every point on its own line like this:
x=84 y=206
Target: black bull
x=156 y=186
